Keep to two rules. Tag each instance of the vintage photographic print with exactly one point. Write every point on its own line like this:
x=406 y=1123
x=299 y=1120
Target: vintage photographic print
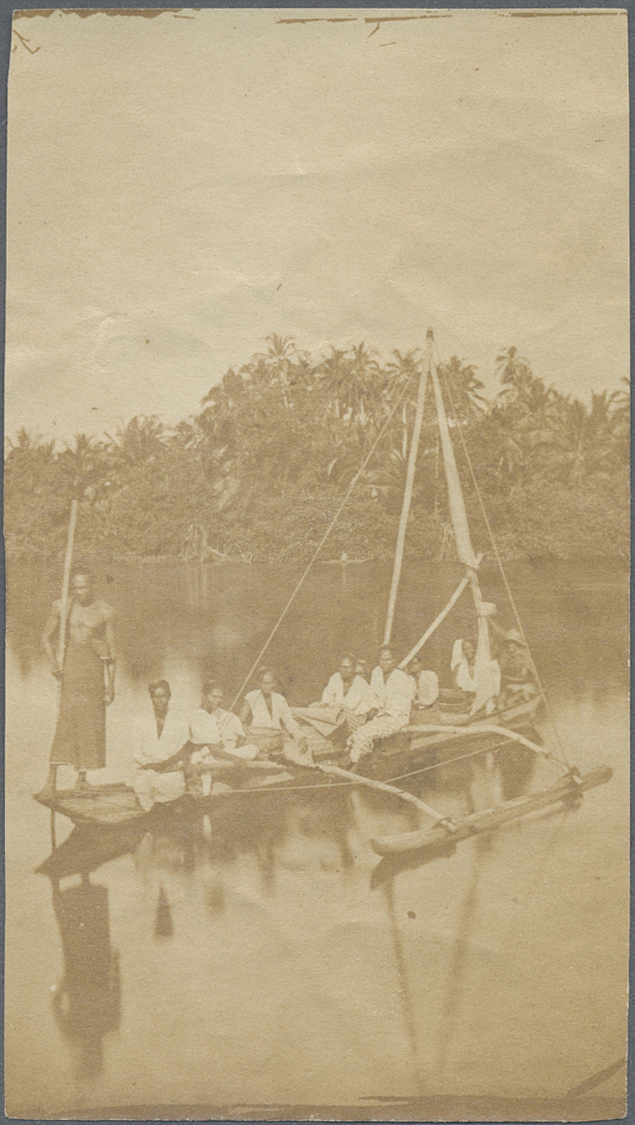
x=317 y=534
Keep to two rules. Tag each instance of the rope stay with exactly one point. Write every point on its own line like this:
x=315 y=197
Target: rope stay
x=328 y=531
x=500 y=563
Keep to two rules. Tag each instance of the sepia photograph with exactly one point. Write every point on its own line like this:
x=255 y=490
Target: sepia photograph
x=316 y=516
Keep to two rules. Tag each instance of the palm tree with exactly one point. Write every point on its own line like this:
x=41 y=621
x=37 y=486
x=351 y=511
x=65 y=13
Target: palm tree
x=140 y=441
x=580 y=437
x=464 y=389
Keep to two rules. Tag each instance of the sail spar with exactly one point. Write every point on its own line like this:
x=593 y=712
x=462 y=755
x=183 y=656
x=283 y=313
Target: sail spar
x=460 y=525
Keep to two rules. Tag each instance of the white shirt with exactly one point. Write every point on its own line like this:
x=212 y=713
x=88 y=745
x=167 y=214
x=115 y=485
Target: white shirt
x=359 y=697
x=280 y=715
x=222 y=728
x=148 y=747
x=207 y=729
x=394 y=696
x=464 y=679
x=427 y=686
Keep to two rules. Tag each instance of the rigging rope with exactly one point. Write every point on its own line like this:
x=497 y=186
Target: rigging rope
x=500 y=563
x=328 y=531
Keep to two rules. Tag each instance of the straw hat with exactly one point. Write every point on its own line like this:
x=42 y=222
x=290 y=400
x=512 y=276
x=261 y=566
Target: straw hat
x=514 y=637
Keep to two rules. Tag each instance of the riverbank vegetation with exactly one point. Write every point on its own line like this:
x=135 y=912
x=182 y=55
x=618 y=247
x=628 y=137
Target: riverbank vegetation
x=260 y=470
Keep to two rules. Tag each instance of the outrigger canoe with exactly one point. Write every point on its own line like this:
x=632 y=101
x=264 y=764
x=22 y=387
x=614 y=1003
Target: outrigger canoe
x=437 y=737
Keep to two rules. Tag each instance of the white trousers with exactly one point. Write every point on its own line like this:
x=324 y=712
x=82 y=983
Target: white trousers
x=152 y=787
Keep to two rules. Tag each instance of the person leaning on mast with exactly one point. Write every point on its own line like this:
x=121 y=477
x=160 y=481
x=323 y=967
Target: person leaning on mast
x=87 y=677
x=394 y=692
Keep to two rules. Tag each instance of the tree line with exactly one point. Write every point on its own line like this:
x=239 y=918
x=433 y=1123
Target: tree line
x=260 y=470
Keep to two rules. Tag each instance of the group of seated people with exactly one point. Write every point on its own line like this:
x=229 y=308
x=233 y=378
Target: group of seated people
x=173 y=747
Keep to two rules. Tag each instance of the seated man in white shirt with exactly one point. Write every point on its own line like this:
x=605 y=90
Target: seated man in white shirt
x=269 y=718
x=216 y=735
x=160 y=748
x=394 y=692
x=346 y=701
x=426 y=684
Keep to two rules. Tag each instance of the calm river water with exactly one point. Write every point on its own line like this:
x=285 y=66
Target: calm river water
x=247 y=960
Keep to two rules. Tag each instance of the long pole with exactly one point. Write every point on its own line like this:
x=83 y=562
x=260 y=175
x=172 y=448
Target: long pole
x=66 y=578
x=407 y=496
x=437 y=621
x=383 y=787
x=458 y=515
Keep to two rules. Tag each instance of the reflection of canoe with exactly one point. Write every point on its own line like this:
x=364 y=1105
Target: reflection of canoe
x=86 y=850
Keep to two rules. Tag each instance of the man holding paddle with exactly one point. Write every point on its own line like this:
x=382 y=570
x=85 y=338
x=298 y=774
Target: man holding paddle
x=85 y=665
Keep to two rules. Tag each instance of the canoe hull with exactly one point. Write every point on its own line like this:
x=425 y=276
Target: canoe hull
x=567 y=789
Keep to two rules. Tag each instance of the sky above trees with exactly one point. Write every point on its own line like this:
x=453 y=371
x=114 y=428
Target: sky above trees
x=182 y=186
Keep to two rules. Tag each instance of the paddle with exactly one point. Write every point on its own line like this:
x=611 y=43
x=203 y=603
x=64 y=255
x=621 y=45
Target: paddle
x=66 y=579
x=61 y=648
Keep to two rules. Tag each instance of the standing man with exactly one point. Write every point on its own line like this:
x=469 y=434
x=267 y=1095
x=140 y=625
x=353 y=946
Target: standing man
x=87 y=675
x=394 y=692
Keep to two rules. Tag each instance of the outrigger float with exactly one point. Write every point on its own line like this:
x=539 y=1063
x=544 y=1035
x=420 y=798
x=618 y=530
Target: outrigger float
x=440 y=737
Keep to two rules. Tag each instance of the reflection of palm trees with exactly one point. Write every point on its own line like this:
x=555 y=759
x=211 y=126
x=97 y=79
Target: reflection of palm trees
x=86 y=1003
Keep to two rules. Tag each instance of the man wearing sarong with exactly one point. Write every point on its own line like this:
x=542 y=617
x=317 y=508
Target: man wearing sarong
x=394 y=691
x=269 y=718
x=87 y=677
x=346 y=701
x=160 y=748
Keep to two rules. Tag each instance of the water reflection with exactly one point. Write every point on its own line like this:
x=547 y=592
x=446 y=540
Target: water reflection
x=460 y=956
x=87 y=1001
x=374 y=976
x=217 y=617
x=405 y=988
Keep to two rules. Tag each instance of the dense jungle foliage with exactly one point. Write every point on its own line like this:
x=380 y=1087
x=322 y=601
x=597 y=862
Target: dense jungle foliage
x=259 y=472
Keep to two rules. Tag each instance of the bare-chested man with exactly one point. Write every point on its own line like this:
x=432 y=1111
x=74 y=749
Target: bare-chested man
x=88 y=680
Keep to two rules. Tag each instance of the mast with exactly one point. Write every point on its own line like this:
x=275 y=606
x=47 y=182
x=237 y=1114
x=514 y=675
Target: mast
x=407 y=496
x=458 y=516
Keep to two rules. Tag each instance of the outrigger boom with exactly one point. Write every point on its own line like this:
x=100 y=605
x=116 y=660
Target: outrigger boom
x=567 y=789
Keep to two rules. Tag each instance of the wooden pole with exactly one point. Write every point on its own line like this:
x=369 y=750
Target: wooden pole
x=66 y=578
x=348 y=775
x=437 y=621
x=479 y=728
x=458 y=515
x=407 y=497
